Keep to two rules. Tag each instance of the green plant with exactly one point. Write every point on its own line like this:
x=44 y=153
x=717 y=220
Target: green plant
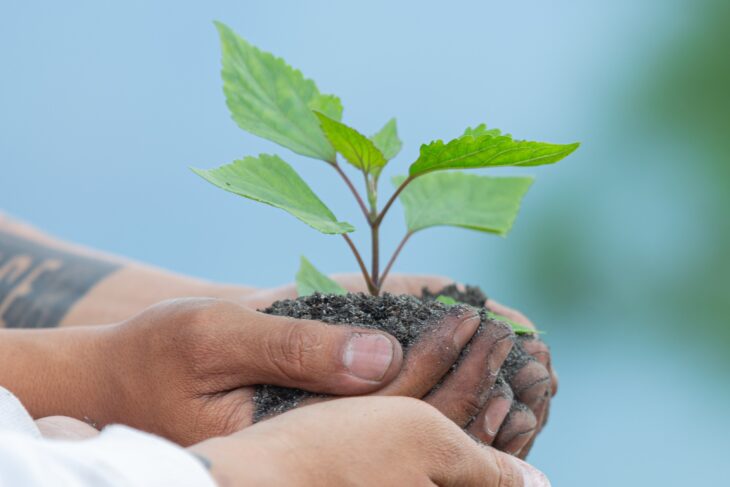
x=270 y=99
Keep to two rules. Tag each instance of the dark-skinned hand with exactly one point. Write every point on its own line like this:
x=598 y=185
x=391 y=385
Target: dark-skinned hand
x=494 y=416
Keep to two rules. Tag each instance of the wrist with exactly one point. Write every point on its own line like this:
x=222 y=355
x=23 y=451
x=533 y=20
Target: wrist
x=57 y=372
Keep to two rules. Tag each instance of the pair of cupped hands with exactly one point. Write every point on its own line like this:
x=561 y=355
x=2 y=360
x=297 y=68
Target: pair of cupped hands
x=186 y=369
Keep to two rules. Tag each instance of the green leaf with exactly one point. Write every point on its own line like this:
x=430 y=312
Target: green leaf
x=329 y=105
x=447 y=300
x=270 y=180
x=269 y=98
x=516 y=327
x=482 y=148
x=357 y=149
x=480 y=130
x=310 y=280
x=484 y=203
x=387 y=140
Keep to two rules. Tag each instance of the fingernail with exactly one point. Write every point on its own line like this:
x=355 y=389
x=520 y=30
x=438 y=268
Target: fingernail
x=495 y=414
x=499 y=354
x=531 y=477
x=368 y=356
x=466 y=329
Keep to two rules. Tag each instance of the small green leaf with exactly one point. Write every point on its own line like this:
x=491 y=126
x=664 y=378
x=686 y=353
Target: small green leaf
x=387 y=140
x=357 y=149
x=447 y=300
x=479 y=147
x=518 y=328
x=329 y=105
x=269 y=98
x=484 y=203
x=270 y=180
x=309 y=280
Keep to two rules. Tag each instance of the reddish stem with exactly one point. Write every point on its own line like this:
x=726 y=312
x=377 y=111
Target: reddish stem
x=392 y=259
x=371 y=287
x=392 y=200
x=355 y=193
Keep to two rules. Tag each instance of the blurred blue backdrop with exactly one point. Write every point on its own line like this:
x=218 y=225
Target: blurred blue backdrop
x=621 y=251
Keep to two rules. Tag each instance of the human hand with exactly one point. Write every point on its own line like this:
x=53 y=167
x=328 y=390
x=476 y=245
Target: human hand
x=497 y=422
x=430 y=371
x=353 y=442
x=186 y=368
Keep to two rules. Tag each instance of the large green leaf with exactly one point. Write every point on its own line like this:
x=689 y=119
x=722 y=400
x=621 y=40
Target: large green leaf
x=357 y=149
x=269 y=98
x=484 y=203
x=270 y=180
x=387 y=140
x=480 y=147
x=309 y=280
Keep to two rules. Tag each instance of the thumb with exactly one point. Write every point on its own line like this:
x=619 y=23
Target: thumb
x=312 y=355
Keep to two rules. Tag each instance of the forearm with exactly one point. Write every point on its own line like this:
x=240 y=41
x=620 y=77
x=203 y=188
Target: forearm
x=46 y=282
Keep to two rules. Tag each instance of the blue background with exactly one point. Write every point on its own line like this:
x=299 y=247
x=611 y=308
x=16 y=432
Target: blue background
x=620 y=253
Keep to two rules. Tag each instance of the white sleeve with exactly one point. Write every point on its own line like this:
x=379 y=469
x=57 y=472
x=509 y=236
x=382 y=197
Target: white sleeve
x=14 y=417
x=119 y=456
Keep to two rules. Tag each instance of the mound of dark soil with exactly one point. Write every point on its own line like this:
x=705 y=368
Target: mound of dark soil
x=404 y=317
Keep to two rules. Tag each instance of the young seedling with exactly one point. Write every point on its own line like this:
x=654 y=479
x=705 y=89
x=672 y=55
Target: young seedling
x=270 y=99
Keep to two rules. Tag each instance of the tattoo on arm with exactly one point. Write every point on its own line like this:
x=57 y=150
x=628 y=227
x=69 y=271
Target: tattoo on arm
x=39 y=284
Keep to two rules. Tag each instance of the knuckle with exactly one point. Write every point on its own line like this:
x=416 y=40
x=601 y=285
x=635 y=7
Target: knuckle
x=202 y=312
x=195 y=339
x=445 y=349
x=507 y=475
x=453 y=450
x=423 y=411
x=296 y=350
x=471 y=404
x=419 y=415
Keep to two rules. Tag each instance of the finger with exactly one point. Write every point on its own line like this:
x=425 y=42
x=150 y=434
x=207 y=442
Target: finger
x=426 y=361
x=433 y=354
x=487 y=423
x=510 y=313
x=530 y=382
x=541 y=352
x=531 y=385
x=395 y=283
x=540 y=420
x=414 y=284
x=516 y=430
x=464 y=391
x=264 y=349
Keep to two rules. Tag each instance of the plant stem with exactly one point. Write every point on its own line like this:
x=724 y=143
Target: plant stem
x=353 y=189
x=371 y=286
x=393 y=258
x=372 y=192
x=374 y=268
x=392 y=200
